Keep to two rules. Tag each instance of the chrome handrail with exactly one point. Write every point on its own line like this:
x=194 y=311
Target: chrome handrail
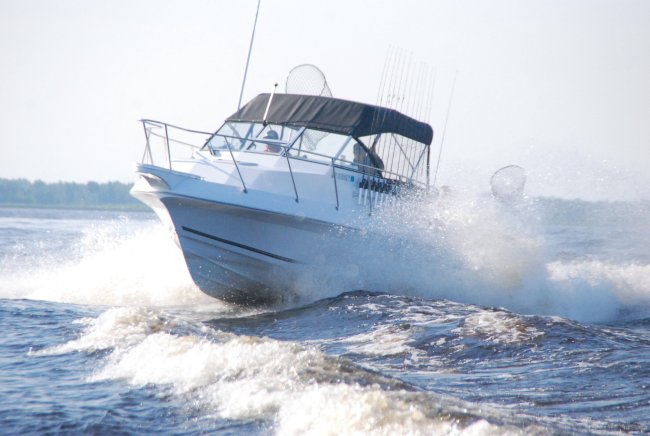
x=232 y=156
x=167 y=140
x=293 y=180
x=176 y=141
x=147 y=148
x=374 y=182
x=286 y=154
x=169 y=156
x=336 y=189
x=161 y=124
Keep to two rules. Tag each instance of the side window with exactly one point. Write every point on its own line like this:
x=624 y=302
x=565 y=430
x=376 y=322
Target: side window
x=230 y=135
x=319 y=146
x=218 y=142
x=350 y=154
x=287 y=134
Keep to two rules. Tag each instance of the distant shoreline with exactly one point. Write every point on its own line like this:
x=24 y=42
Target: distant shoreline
x=22 y=193
x=107 y=207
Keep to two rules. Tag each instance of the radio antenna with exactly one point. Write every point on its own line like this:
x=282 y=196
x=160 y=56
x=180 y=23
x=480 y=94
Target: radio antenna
x=250 y=49
x=268 y=104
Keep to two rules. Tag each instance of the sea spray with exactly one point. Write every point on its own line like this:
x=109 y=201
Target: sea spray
x=291 y=387
x=113 y=262
x=479 y=250
x=361 y=362
x=459 y=247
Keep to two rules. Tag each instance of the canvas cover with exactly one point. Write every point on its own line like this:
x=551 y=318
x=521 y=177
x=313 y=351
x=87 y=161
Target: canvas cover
x=332 y=115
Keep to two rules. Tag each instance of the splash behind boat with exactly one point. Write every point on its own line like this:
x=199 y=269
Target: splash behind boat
x=284 y=179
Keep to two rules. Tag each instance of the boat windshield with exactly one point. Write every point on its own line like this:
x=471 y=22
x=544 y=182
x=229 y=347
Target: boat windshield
x=243 y=136
x=389 y=154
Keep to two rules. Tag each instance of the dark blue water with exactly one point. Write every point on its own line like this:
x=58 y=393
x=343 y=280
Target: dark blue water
x=532 y=321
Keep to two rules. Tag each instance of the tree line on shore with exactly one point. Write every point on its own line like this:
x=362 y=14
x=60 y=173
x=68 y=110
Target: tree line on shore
x=22 y=192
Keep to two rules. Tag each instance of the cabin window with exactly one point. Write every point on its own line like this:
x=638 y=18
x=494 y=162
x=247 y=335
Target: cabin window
x=232 y=135
x=247 y=136
x=271 y=138
x=320 y=146
x=401 y=157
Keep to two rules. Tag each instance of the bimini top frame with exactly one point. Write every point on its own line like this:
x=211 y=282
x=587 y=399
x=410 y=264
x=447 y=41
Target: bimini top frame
x=332 y=115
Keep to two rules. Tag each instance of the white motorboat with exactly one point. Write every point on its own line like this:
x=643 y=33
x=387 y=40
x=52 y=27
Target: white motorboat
x=285 y=179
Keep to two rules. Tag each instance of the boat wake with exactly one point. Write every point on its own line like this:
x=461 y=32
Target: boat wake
x=365 y=367
x=270 y=384
x=111 y=263
x=473 y=251
x=482 y=251
x=427 y=352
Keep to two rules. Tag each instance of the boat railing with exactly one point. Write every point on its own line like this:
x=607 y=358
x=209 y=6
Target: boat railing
x=375 y=187
x=166 y=142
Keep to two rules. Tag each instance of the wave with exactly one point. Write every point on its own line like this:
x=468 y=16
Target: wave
x=290 y=387
x=116 y=262
x=480 y=251
x=473 y=250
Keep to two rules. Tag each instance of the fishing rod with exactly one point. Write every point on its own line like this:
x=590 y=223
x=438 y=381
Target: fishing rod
x=428 y=106
x=250 y=49
x=444 y=129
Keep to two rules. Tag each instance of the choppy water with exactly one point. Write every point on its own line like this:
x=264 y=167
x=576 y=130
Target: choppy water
x=527 y=321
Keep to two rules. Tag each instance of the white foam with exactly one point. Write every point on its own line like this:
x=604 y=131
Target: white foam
x=396 y=335
x=466 y=249
x=596 y=290
x=477 y=251
x=298 y=389
x=452 y=249
x=117 y=328
x=345 y=409
x=111 y=267
x=384 y=340
x=498 y=327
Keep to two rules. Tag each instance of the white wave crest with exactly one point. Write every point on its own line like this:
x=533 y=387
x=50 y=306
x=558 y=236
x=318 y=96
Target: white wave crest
x=110 y=266
x=297 y=389
x=597 y=290
x=477 y=251
x=498 y=327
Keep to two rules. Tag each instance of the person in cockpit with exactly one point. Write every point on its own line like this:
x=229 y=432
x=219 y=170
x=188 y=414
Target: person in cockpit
x=270 y=146
x=365 y=162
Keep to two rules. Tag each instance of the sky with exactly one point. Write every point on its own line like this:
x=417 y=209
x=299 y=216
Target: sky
x=560 y=87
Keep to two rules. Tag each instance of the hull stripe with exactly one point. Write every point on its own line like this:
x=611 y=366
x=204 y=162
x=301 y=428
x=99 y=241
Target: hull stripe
x=238 y=245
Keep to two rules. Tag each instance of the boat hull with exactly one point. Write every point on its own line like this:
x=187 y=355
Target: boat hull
x=250 y=256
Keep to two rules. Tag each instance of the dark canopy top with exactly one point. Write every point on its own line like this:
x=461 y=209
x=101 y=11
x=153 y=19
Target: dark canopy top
x=333 y=115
